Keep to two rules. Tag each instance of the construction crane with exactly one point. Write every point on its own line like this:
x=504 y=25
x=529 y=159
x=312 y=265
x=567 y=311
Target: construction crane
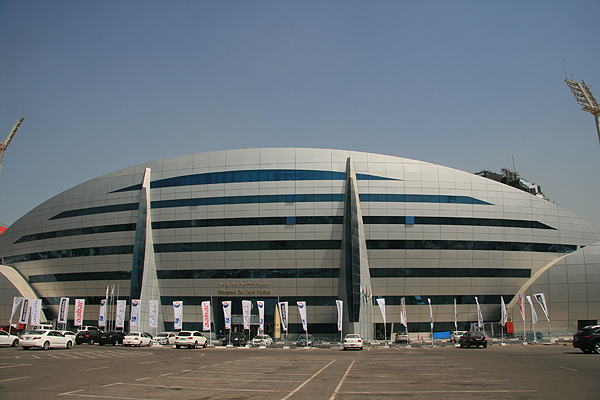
x=4 y=144
x=585 y=98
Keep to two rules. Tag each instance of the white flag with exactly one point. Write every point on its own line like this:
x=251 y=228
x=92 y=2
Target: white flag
x=504 y=318
x=79 y=308
x=206 y=315
x=102 y=313
x=16 y=302
x=178 y=315
x=455 y=316
x=521 y=300
x=283 y=314
x=381 y=303
x=246 y=313
x=340 y=310
x=430 y=314
x=403 y=320
x=534 y=318
x=479 y=315
x=134 y=320
x=541 y=299
x=153 y=314
x=261 y=315
x=302 y=310
x=36 y=310
x=25 y=308
x=227 y=313
x=63 y=310
x=121 y=308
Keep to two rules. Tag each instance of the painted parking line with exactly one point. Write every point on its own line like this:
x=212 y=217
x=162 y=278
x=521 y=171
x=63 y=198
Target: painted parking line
x=93 y=369
x=15 y=365
x=339 y=386
x=13 y=379
x=307 y=381
x=570 y=369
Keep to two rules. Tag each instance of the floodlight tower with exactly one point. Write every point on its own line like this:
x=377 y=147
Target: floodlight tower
x=585 y=98
x=4 y=145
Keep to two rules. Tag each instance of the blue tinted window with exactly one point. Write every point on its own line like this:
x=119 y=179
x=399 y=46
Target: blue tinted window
x=410 y=220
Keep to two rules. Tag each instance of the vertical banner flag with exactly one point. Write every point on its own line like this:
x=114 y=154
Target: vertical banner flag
x=504 y=318
x=541 y=299
x=178 y=314
x=36 y=310
x=135 y=313
x=479 y=315
x=206 y=315
x=340 y=309
x=430 y=313
x=381 y=303
x=521 y=300
x=16 y=302
x=246 y=313
x=403 y=312
x=120 y=319
x=63 y=310
x=79 y=308
x=534 y=318
x=227 y=313
x=153 y=314
x=455 y=316
x=25 y=307
x=102 y=313
x=302 y=310
x=283 y=314
x=261 y=315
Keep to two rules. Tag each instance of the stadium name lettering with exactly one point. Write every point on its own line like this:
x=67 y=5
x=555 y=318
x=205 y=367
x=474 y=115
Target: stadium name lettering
x=244 y=283
x=244 y=292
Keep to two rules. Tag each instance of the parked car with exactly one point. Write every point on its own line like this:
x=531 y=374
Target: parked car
x=402 y=338
x=304 y=341
x=190 y=339
x=89 y=336
x=237 y=339
x=88 y=328
x=456 y=335
x=262 y=340
x=70 y=334
x=588 y=339
x=115 y=338
x=45 y=340
x=473 y=338
x=138 y=339
x=165 y=338
x=352 y=341
x=6 y=339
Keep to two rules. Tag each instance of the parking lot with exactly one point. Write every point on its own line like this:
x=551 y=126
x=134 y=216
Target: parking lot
x=515 y=372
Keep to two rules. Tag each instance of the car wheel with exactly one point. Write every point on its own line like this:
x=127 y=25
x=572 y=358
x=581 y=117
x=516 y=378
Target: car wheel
x=15 y=343
x=139 y=344
x=69 y=344
x=116 y=342
x=91 y=342
x=46 y=345
x=177 y=346
x=597 y=347
x=149 y=343
x=204 y=345
x=468 y=345
x=25 y=348
x=586 y=351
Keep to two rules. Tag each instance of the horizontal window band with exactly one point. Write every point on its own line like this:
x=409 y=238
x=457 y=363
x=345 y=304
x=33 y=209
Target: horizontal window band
x=450 y=273
x=468 y=245
x=96 y=210
x=259 y=175
x=249 y=246
x=82 y=276
x=82 y=252
x=77 y=232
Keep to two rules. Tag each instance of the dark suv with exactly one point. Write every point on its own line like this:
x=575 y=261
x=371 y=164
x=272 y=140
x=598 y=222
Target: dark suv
x=89 y=336
x=115 y=338
x=237 y=339
x=473 y=338
x=588 y=339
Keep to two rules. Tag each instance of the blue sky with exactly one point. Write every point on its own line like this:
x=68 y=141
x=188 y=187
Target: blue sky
x=466 y=84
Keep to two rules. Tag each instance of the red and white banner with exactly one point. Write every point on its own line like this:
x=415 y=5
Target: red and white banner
x=36 y=311
x=178 y=314
x=63 y=310
x=261 y=314
x=79 y=308
x=120 y=319
x=153 y=313
x=206 y=315
x=340 y=310
x=246 y=313
x=134 y=316
x=521 y=300
x=227 y=313
x=102 y=313
x=302 y=310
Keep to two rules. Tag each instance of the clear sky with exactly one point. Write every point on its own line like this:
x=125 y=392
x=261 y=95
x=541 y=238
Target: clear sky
x=466 y=84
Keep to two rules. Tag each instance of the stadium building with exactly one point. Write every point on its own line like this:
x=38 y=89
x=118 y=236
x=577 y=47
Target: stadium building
x=314 y=225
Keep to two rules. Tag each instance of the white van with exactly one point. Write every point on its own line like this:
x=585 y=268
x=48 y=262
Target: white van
x=44 y=327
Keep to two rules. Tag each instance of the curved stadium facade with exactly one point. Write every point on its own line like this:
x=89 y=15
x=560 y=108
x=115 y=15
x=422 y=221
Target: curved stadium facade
x=314 y=225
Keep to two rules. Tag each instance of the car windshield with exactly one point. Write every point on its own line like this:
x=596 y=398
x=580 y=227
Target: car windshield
x=352 y=337
x=134 y=334
x=185 y=334
x=38 y=332
x=162 y=335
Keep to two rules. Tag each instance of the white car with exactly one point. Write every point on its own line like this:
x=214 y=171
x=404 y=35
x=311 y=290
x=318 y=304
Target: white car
x=70 y=334
x=262 y=340
x=191 y=339
x=45 y=340
x=138 y=339
x=353 y=341
x=6 y=339
x=165 y=338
